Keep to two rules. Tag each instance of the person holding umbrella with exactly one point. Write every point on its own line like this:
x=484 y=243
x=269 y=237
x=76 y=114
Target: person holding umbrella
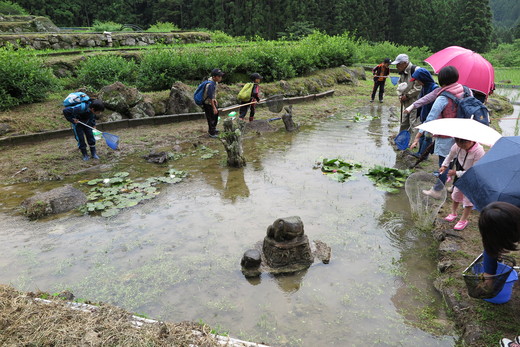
x=465 y=153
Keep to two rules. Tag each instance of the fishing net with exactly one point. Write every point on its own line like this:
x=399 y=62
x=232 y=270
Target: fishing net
x=274 y=103
x=490 y=286
x=424 y=207
x=402 y=140
x=111 y=140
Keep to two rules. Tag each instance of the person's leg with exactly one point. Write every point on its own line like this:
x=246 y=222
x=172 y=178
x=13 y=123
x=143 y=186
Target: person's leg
x=79 y=134
x=466 y=212
x=454 y=207
x=91 y=140
x=252 y=113
x=210 y=117
x=243 y=111
x=374 y=89
x=381 y=90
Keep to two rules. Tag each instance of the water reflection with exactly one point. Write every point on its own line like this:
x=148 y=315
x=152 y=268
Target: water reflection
x=236 y=186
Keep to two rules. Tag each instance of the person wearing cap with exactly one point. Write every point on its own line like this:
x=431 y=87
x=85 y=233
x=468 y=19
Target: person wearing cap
x=255 y=96
x=410 y=93
x=210 y=101
x=380 y=73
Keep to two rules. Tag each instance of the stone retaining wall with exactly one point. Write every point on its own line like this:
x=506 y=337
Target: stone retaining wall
x=92 y=40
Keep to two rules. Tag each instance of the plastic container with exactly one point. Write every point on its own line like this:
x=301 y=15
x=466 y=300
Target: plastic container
x=97 y=134
x=505 y=294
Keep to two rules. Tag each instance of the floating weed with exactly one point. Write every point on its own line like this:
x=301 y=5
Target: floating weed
x=205 y=152
x=363 y=118
x=109 y=195
x=337 y=169
x=388 y=179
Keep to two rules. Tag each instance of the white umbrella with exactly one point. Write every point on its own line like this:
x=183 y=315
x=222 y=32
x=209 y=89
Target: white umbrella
x=463 y=128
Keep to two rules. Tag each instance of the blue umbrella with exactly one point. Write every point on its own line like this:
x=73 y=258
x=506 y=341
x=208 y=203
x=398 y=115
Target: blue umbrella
x=496 y=176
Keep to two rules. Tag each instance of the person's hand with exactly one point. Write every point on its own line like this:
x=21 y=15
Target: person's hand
x=452 y=173
x=75 y=121
x=414 y=144
x=408 y=109
x=215 y=110
x=403 y=98
x=442 y=169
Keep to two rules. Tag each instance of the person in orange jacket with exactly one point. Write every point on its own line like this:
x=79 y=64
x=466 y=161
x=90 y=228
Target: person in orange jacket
x=380 y=73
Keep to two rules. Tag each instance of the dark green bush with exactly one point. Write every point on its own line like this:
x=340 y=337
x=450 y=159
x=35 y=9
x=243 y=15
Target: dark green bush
x=99 y=26
x=24 y=78
x=99 y=71
x=10 y=8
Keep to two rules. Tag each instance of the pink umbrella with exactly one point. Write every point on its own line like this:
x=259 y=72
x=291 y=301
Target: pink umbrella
x=474 y=71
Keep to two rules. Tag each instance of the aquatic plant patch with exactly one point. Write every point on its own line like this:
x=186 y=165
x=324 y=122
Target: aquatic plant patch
x=109 y=196
x=387 y=178
x=337 y=169
x=358 y=117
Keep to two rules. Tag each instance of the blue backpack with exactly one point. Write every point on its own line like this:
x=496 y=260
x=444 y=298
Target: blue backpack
x=198 y=96
x=75 y=98
x=469 y=107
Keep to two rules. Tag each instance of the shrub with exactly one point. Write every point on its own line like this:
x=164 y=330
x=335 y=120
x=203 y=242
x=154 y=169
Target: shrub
x=506 y=54
x=25 y=79
x=374 y=53
x=101 y=70
x=161 y=27
x=99 y=26
x=10 y=8
x=218 y=36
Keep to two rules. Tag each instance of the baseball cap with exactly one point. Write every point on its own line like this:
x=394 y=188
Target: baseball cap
x=401 y=58
x=387 y=60
x=255 y=76
x=217 y=72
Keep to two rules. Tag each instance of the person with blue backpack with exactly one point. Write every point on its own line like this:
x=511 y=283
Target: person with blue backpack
x=425 y=79
x=206 y=96
x=79 y=108
x=443 y=107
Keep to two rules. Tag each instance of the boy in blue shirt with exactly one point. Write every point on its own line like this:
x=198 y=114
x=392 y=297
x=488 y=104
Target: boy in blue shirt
x=84 y=112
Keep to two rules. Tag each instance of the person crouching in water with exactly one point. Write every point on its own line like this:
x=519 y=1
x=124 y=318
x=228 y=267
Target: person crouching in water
x=466 y=153
x=86 y=113
x=255 y=96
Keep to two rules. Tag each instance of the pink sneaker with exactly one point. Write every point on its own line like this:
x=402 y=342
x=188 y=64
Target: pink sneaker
x=461 y=225
x=451 y=217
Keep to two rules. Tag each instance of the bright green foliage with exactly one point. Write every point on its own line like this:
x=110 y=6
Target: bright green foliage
x=274 y=60
x=101 y=70
x=108 y=196
x=24 y=78
x=507 y=55
x=388 y=179
x=162 y=27
x=10 y=8
x=375 y=53
x=338 y=169
x=99 y=26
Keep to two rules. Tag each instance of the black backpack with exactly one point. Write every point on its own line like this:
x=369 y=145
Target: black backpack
x=469 y=107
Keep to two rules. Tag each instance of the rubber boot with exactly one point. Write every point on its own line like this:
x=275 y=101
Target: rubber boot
x=93 y=152
x=84 y=153
x=251 y=119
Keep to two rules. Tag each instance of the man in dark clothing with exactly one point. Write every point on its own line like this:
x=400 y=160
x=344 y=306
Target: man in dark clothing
x=380 y=73
x=210 y=102
x=84 y=112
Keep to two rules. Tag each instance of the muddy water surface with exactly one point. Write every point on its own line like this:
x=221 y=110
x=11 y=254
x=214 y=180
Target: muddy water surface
x=177 y=257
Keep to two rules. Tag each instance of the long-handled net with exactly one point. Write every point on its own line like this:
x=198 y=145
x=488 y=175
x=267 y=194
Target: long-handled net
x=424 y=207
x=274 y=103
x=487 y=287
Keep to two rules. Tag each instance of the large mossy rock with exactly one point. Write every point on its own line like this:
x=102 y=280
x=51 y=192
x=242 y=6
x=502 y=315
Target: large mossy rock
x=54 y=201
x=181 y=100
x=126 y=101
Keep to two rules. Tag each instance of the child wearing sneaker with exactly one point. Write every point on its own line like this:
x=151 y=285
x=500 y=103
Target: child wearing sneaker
x=508 y=343
x=466 y=154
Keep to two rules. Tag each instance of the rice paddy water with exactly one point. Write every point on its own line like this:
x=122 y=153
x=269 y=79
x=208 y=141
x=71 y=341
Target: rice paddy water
x=177 y=257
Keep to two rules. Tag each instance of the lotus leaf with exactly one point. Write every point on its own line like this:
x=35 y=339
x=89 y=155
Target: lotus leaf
x=110 y=212
x=122 y=174
x=94 y=182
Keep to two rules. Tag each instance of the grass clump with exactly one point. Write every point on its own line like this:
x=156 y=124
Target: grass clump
x=102 y=70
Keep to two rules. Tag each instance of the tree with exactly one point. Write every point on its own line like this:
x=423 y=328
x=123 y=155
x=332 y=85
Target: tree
x=475 y=30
